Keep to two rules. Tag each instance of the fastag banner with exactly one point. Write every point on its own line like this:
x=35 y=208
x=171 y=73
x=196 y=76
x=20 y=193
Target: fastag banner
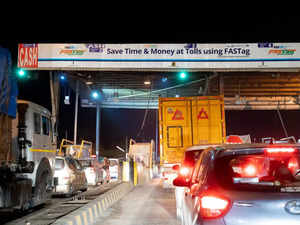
x=245 y=56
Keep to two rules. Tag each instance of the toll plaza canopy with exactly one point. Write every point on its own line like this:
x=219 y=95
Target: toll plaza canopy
x=249 y=75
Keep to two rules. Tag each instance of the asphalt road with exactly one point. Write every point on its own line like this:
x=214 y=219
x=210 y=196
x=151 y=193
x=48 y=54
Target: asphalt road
x=147 y=204
x=54 y=208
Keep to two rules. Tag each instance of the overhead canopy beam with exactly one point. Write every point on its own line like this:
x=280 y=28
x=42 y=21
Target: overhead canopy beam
x=123 y=68
x=161 y=57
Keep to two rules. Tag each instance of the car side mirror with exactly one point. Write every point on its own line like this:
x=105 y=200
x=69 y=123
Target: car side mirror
x=176 y=167
x=181 y=182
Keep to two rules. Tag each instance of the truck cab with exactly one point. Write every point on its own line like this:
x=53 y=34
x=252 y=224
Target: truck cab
x=29 y=163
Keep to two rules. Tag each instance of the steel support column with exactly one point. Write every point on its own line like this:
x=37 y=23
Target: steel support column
x=98 y=120
x=76 y=112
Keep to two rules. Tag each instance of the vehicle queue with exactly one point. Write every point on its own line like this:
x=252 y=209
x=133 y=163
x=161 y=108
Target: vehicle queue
x=76 y=168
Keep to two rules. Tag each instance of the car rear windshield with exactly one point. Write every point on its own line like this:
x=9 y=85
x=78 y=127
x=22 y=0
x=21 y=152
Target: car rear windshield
x=59 y=164
x=190 y=157
x=86 y=163
x=268 y=169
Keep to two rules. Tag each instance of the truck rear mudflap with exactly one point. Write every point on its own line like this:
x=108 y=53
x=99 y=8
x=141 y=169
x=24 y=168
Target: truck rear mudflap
x=15 y=194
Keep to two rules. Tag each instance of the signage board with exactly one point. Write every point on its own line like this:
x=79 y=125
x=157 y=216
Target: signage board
x=198 y=57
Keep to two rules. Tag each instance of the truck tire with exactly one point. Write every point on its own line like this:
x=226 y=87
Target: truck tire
x=43 y=180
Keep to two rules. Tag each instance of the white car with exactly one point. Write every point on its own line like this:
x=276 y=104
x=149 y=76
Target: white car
x=70 y=176
x=94 y=174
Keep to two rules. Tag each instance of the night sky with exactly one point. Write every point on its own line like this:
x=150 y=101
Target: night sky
x=117 y=124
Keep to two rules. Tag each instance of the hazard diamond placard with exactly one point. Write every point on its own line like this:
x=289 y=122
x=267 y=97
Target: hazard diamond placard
x=202 y=115
x=178 y=115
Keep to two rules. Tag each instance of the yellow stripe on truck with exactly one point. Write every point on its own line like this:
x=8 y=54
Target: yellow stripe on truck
x=41 y=150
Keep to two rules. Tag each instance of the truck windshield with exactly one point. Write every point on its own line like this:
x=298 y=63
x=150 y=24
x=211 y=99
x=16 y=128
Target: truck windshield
x=274 y=170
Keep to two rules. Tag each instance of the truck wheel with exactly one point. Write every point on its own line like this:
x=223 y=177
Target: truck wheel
x=43 y=180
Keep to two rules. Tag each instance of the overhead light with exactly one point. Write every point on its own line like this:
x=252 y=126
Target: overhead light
x=95 y=94
x=88 y=82
x=147 y=82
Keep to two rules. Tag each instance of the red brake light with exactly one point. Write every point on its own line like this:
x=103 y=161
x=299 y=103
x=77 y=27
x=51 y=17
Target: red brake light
x=213 y=207
x=184 y=171
x=293 y=164
x=250 y=170
x=280 y=150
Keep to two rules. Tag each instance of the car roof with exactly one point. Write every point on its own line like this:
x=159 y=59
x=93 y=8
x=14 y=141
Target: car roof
x=230 y=148
x=239 y=147
x=59 y=157
x=256 y=145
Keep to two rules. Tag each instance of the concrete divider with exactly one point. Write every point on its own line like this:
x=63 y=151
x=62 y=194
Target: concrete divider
x=91 y=211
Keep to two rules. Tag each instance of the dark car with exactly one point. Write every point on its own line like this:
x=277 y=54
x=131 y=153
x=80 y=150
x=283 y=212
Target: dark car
x=244 y=184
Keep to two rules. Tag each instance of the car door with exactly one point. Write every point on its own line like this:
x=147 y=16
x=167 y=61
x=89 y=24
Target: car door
x=191 y=199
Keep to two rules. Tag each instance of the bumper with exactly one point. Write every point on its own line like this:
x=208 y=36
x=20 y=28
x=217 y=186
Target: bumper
x=168 y=180
x=63 y=189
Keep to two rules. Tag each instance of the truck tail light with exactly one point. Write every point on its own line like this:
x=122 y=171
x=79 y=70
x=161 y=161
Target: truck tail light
x=184 y=171
x=212 y=207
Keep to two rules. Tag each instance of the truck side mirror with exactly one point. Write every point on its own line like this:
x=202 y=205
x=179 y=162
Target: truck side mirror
x=180 y=182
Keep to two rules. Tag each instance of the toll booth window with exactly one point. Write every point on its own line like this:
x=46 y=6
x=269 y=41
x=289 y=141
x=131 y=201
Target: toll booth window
x=45 y=125
x=37 y=123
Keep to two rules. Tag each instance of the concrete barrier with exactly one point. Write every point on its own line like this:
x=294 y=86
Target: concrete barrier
x=89 y=213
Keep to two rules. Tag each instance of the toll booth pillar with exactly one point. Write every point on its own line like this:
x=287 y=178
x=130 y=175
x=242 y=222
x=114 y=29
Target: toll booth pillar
x=130 y=173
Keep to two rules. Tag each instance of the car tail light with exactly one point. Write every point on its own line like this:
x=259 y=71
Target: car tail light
x=293 y=164
x=212 y=207
x=184 y=171
x=250 y=170
x=280 y=150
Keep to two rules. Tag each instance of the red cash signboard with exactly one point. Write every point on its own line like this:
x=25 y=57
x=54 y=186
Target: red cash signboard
x=28 y=56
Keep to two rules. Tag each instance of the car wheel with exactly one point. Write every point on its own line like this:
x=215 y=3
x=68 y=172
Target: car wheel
x=83 y=190
x=43 y=180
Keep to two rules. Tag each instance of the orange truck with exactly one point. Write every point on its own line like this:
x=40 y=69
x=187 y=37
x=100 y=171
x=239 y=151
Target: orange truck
x=184 y=122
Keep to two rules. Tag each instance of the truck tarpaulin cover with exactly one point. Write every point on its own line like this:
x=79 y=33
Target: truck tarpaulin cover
x=8 y=85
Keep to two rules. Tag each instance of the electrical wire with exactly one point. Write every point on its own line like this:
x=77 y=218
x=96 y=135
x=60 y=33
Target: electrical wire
x=146 y=113
x=281 y=120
